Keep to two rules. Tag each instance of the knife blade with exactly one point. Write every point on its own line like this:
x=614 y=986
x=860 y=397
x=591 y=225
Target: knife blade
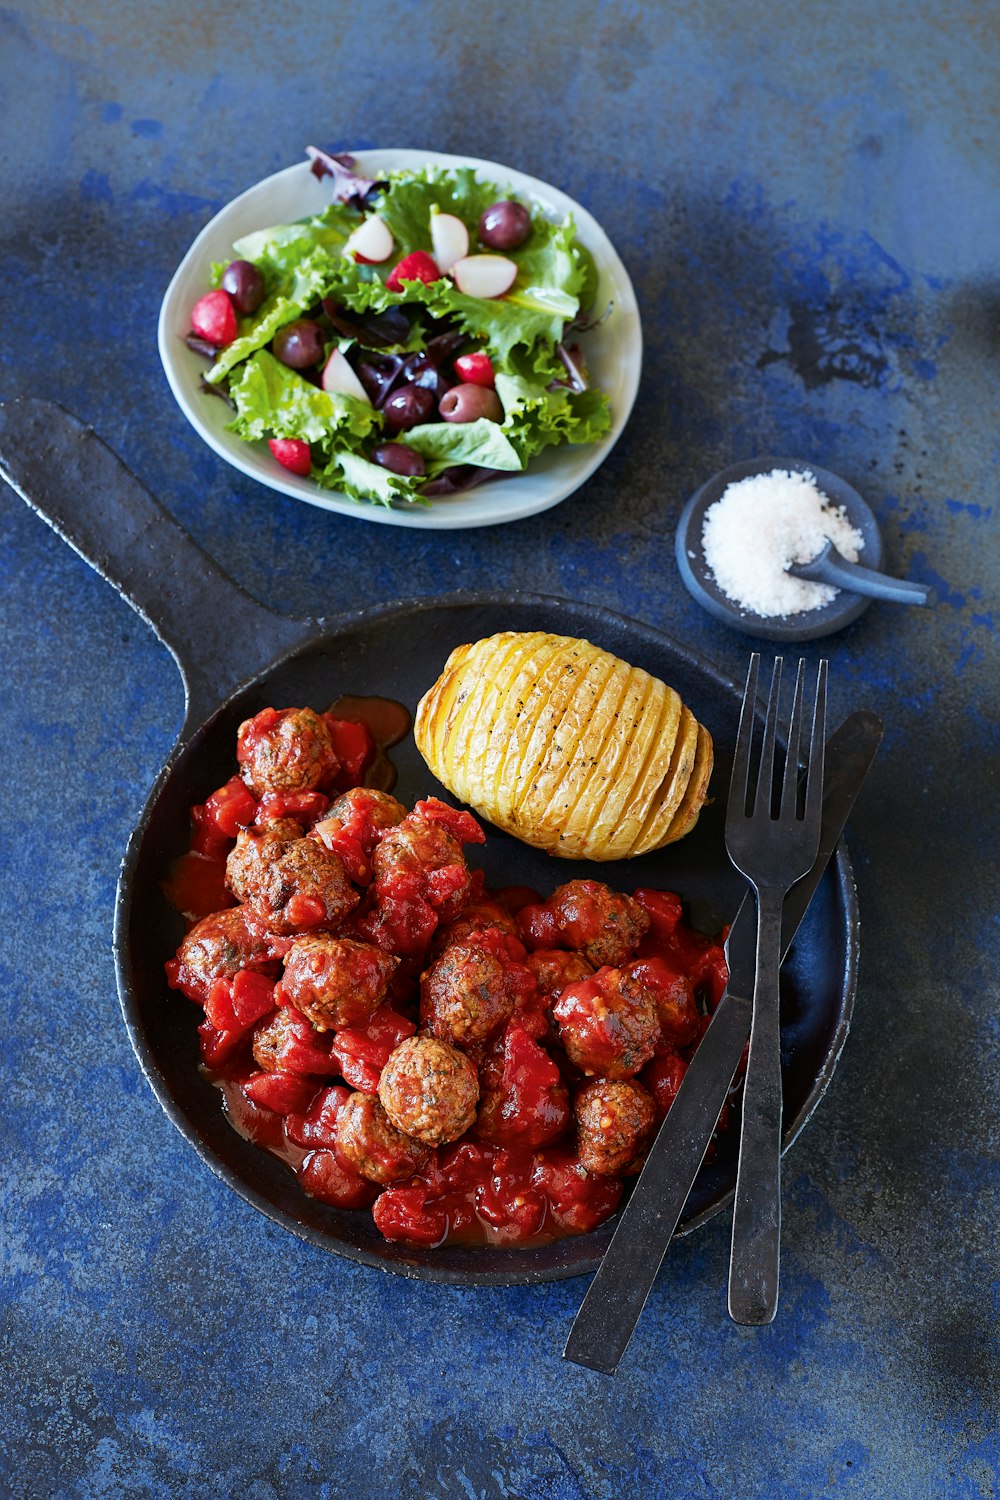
x=610 y=1310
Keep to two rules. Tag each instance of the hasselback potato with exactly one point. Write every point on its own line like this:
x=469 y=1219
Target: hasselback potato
x=565 y=746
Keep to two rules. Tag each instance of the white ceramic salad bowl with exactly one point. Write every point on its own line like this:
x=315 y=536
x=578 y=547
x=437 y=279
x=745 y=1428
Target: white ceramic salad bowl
x=613 y=349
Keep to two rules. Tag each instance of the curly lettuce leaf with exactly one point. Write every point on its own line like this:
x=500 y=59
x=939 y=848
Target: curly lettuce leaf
x=536 y=417
x=359 y=479
x=277 y=251
x=306 y=284
x=273 y=401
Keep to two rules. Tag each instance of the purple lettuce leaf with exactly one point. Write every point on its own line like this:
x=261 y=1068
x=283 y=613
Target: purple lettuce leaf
x=373 y=330
x=348 y=186
x=458 y=477
x=576 y=370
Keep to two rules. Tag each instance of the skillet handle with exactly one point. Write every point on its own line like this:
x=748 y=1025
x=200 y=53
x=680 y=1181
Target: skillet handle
x=218 y=635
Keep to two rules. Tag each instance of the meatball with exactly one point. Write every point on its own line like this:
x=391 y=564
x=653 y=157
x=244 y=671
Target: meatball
x=217 y=947
x=673 y=995
x=608 y=1023
x=335 y=981
x=423 y=858
x=354 y=825
x=290 y=751
x=365 y=813
x=293 y=885
x=602 y=924
x=615 y=1120
x=370 y=1143
x=465 y=996
x=554 y=969
x=477 y=918
x=289 y=1044
x=429 y=1090
x=254 y=850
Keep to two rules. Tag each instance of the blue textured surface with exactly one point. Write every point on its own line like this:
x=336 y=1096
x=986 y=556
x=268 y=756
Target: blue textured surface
x=809 y=204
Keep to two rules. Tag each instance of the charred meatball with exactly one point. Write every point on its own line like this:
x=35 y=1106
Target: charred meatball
x=429 y=1090
x=335 y=981
x=608 y=1024
x=254 y=851
x=615 y=1119
x=602 y=924
x=465 y=996
x=291 y=886
x=217 y=947
x=370 y=1143
x=288 y=751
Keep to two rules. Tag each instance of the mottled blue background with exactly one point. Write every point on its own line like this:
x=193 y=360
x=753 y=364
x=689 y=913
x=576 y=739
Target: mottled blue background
x=808 y=200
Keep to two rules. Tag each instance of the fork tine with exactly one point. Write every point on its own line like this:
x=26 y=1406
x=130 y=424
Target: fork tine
x=817 y=746
x=765 y=776
x=739 y=782
x=790 y=784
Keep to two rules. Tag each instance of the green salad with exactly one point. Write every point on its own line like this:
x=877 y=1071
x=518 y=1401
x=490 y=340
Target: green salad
x=415 y=337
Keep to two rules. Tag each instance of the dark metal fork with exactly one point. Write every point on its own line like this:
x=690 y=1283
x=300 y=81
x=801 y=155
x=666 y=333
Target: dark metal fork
x=773 y=850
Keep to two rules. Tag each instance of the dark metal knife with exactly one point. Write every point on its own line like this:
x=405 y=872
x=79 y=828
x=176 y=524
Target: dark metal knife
x=618 y=1292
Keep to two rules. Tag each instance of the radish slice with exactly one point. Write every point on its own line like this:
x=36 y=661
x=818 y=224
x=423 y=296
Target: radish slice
x=338 y=379
x=450 y=240
x=371 y=240
x=484 y=275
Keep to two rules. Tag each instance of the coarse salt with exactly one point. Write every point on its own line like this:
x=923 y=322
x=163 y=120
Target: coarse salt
x=761 y=525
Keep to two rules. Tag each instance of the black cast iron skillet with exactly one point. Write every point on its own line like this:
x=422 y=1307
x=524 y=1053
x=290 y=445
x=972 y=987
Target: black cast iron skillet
x=237 y=657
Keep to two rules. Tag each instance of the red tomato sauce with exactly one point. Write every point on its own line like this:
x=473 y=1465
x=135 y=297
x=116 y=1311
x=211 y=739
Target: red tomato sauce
x=317 y=900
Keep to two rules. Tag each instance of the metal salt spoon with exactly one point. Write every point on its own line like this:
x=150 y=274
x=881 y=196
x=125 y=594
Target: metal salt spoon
x=831 y=566
x=773 y=850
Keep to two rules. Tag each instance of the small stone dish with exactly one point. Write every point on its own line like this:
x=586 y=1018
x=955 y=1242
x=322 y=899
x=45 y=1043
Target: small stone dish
x=809 y=624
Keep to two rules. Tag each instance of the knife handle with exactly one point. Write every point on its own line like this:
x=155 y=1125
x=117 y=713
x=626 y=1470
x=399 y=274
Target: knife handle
x=618 y=1292
x=617 y=1295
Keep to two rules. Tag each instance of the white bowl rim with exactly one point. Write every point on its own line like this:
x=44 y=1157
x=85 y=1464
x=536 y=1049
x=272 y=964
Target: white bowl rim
x=550 y=478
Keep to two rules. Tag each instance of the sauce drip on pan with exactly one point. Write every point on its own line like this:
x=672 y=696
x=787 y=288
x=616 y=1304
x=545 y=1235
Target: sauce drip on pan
x=389 y=723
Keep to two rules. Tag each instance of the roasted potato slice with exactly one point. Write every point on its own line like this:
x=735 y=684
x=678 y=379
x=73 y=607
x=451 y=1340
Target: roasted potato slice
x=565 y=746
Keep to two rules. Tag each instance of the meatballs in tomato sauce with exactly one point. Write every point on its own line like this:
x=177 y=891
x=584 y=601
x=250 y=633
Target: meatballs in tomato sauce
x=608 y=1023
x=615 y=1119
x=425 y=856
x=465 y=995
x=366 y=813
x=290 y=885
x=429 y=1090
x=217 y=947
x=370 y=1143
x=286 y=751
x=336 y=981
x=604 y=925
